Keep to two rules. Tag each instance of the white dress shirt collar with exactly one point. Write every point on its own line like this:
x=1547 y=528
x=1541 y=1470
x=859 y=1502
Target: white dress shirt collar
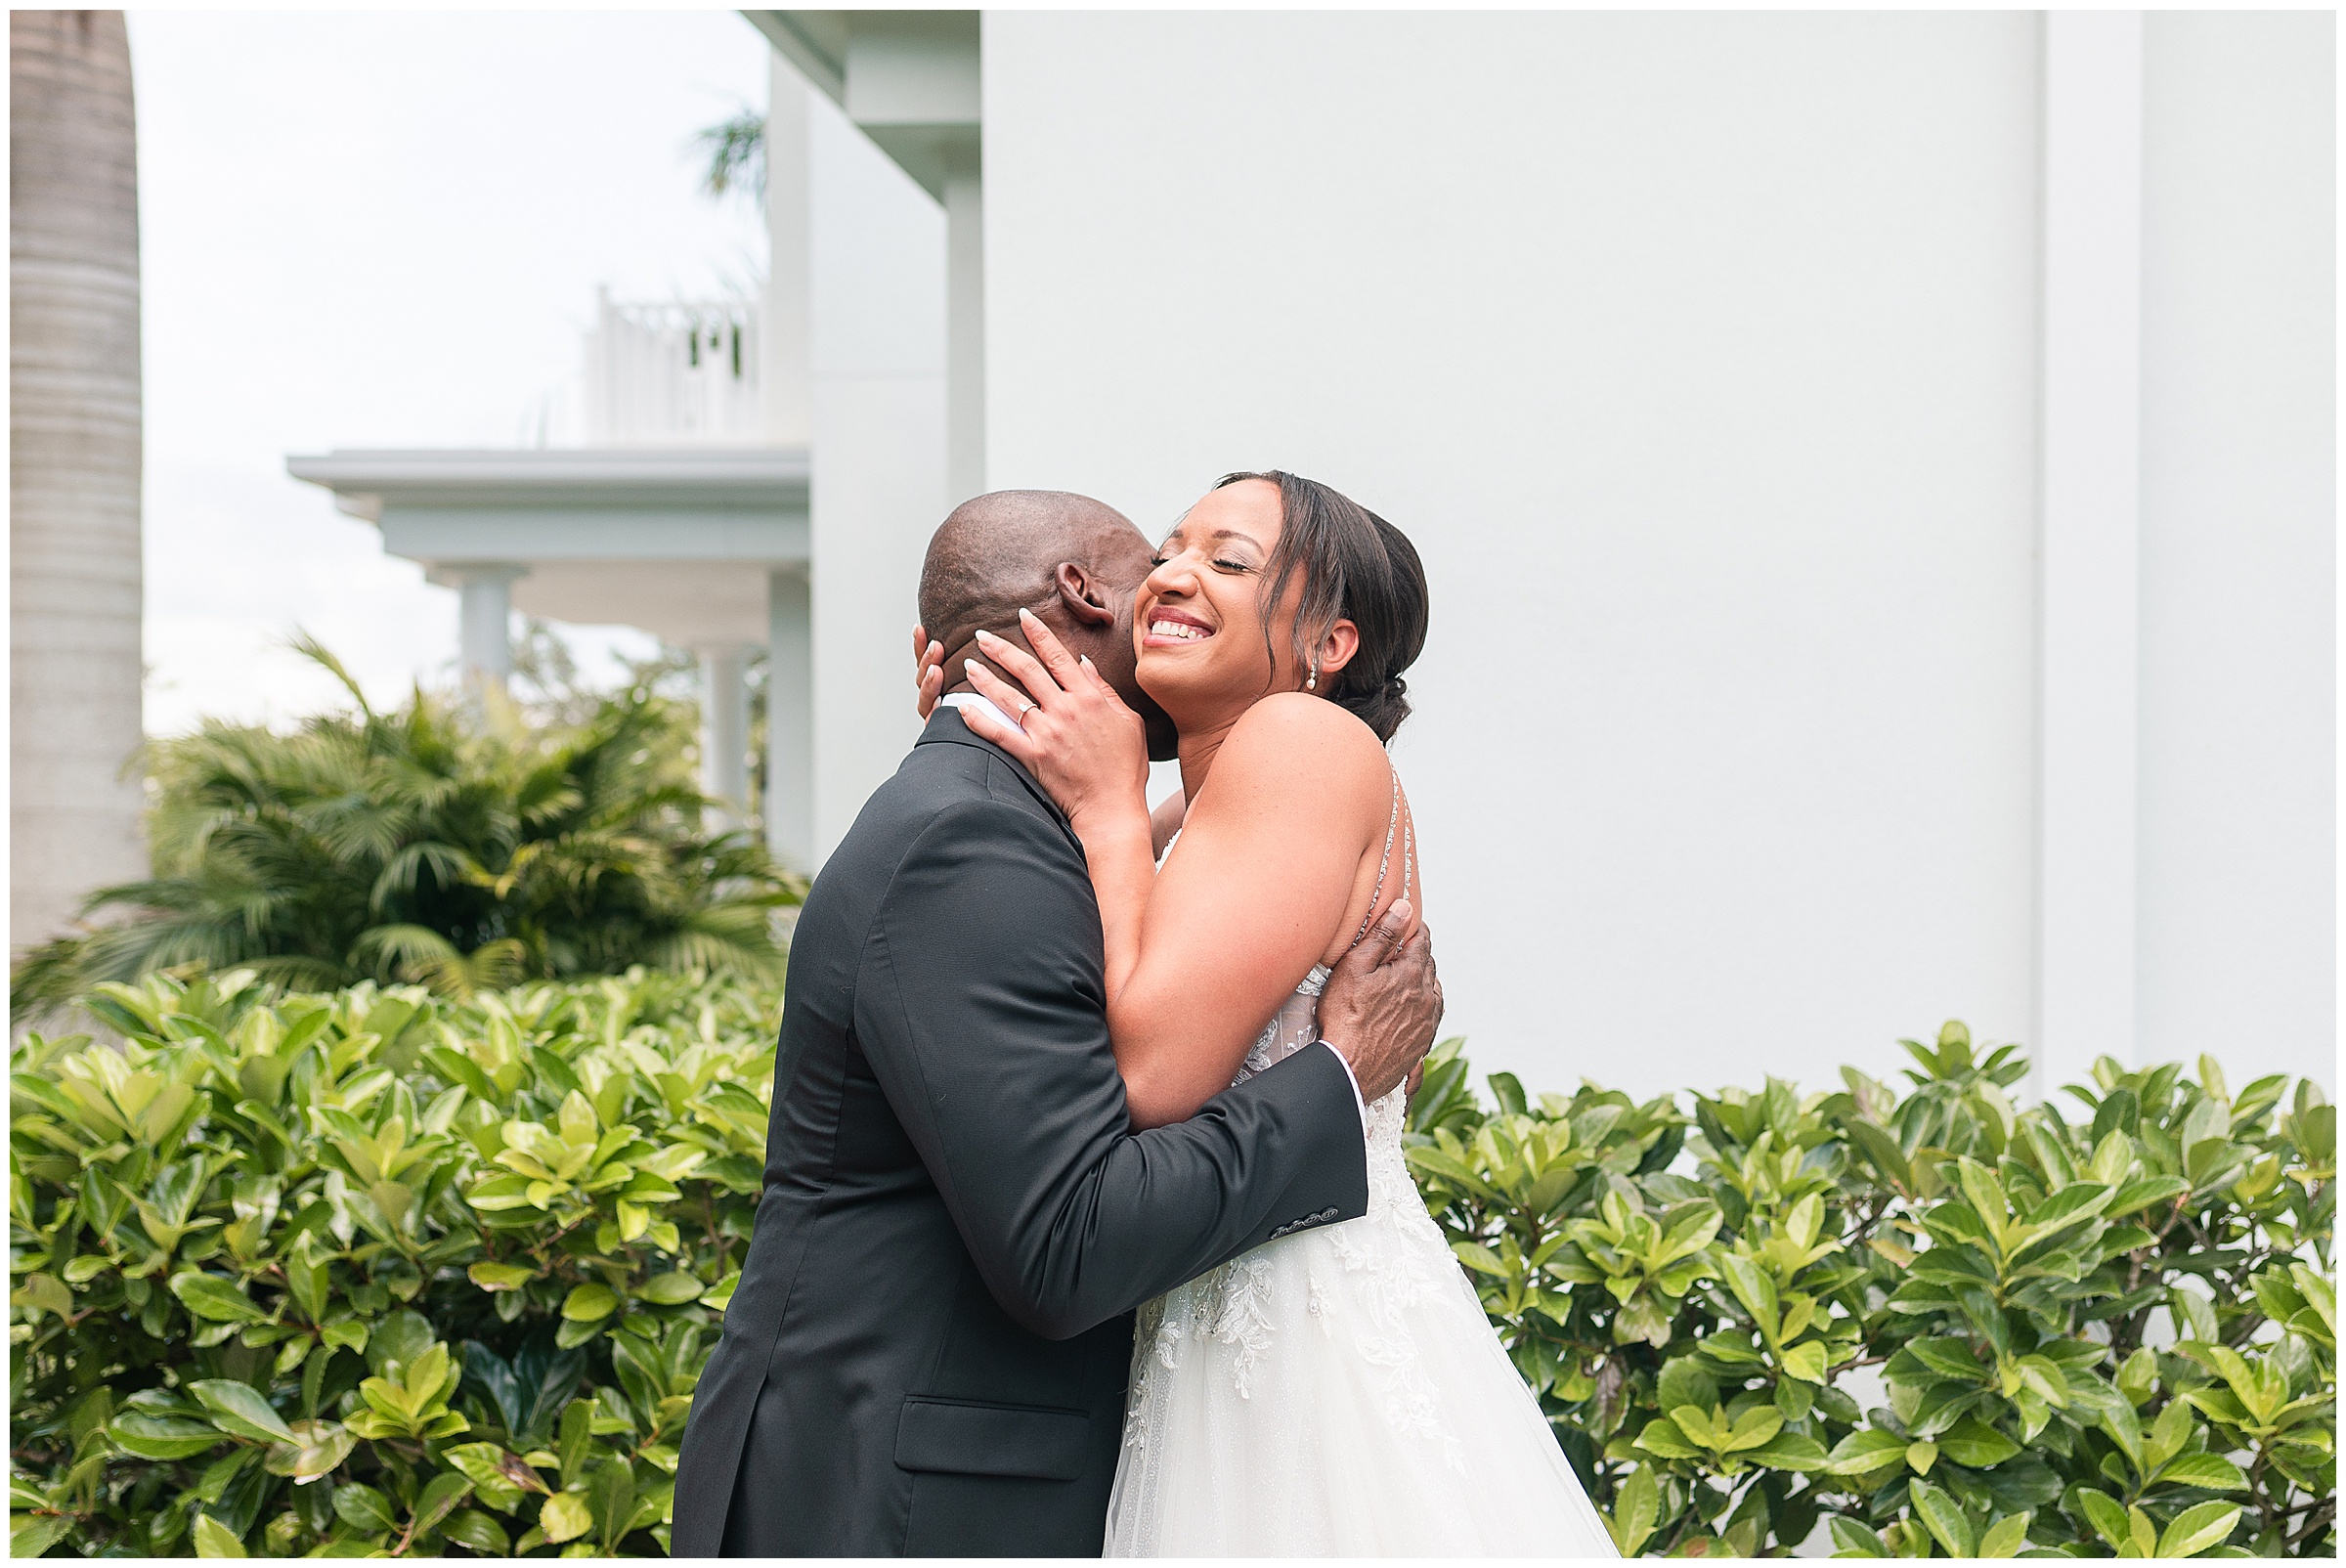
x=970 y=699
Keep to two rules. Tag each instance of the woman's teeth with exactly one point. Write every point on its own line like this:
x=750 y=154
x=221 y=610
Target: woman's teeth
x=1178 y=629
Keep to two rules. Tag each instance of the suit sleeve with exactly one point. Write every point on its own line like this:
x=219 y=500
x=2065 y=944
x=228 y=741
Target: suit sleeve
x=979 y=1008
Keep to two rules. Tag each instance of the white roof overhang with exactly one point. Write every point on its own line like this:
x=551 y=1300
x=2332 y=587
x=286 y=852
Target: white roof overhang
x=679 y=542
x=908 y=80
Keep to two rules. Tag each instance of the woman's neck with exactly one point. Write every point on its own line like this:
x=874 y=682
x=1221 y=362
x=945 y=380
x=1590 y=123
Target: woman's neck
x=1197 y=750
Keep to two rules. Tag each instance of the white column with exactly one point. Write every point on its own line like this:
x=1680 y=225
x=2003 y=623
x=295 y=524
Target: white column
x=790 y=721
x=965 y=325
x=788 y=338
x=2088 y=606
x=878 y=487
x=725 y=729
x=484 y=617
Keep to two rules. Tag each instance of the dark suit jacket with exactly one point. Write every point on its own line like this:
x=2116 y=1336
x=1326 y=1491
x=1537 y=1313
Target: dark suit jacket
x=928 y=1351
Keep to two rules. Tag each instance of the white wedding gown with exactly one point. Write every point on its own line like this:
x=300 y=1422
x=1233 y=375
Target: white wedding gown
x=1339 y=1392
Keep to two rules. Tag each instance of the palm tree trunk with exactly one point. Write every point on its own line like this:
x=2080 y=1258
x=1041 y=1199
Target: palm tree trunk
x=74 y=473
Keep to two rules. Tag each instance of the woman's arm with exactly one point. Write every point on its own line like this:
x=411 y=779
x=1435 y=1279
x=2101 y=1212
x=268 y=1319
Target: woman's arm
x=1269 y=870
x=1271 y=863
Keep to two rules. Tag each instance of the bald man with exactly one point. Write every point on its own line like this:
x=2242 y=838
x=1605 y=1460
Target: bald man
x=928 y=1350
x=1075 y=562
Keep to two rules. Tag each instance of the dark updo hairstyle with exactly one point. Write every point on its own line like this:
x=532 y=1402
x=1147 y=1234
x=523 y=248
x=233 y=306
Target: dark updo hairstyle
x=1358 y=566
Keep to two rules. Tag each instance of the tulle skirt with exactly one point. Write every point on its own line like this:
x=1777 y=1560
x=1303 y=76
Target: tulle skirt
x=1339 y=1392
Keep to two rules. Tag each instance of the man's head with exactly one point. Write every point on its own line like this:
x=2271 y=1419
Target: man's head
x=1074 y=561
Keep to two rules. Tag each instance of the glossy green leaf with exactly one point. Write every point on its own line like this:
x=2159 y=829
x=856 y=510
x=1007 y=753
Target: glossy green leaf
x=2006 y=1537
x=1863 y=1453
x=1975 y=1445
x=162 y=1437
x=501 y=1276
x=479 y=1533
x=215 y=1539
x=1853 y=1540
x=1944 y=1518
x=590 y=1303
x=364 y=1508
x=214 y=1299
x=2209 y=1470
x=2197 y=1528
x=2106 y=1515
x=565 y=1517
x=238 y=1408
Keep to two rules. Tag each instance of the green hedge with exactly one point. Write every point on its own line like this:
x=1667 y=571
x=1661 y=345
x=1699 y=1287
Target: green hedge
x=1936 y=1324
x=376 y=1272
x=379 y=1272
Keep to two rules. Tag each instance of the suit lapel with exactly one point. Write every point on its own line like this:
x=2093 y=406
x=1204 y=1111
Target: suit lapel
x=946 y=727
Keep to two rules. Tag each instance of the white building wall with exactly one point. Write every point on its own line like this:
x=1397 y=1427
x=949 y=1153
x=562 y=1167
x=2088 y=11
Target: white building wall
x=1697 y=355
x=877 y=286
x=2237 y=927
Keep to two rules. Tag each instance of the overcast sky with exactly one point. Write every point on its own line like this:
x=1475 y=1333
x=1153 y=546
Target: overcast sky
x=385 y=229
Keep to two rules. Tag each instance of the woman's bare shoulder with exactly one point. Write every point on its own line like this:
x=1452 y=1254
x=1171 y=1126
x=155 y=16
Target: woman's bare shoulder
x=1290 y=742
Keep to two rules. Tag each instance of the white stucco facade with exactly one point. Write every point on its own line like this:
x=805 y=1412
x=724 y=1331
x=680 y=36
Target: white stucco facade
x=1694 y=354
x=2237 y=934
x=1705 y=359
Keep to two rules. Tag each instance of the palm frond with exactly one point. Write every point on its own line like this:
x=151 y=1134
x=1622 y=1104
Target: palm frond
x=735 y=149
x=309 y=647
x=402 y=952
x=410 y=842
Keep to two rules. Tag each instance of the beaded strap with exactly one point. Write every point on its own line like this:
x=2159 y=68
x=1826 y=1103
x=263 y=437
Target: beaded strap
x=1393 y=823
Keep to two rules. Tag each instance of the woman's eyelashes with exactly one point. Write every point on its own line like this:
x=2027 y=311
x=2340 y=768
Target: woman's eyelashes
x=1223 y=564
x=1219 y=563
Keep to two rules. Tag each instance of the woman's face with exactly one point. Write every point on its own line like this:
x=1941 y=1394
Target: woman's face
x=1199 y=621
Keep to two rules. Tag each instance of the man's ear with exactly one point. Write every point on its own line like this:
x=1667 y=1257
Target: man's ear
x=1084 y=596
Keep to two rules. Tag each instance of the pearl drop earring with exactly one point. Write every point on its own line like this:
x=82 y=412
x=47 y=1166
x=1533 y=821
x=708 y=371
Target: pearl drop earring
x=1312 y=683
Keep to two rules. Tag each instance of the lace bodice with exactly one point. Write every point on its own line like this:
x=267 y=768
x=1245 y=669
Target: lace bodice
x=1295 y=1025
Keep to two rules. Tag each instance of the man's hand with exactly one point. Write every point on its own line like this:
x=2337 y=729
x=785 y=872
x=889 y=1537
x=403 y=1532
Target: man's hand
x=1383 y=1004
x=927 y=671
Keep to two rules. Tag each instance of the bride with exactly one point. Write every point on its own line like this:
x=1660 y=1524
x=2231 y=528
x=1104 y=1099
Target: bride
x=1338 y=1391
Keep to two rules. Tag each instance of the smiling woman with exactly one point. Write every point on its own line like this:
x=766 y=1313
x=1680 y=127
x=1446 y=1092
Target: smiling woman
x=1360 y=568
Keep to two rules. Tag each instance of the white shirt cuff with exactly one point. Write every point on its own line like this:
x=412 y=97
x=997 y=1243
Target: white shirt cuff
x=1359 y=1104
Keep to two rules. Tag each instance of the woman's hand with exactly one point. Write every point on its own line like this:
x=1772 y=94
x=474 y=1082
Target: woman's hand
x=927 y=671
x=1075 y=736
